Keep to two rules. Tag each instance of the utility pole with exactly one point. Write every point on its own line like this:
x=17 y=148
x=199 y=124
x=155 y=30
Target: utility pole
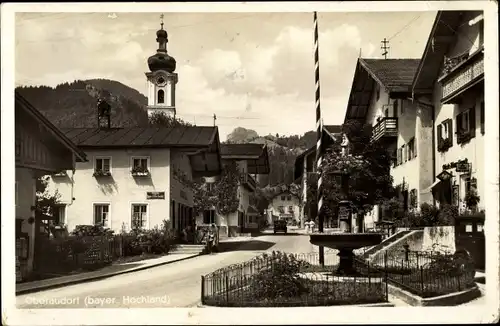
x=384 y=47
x=215 y=118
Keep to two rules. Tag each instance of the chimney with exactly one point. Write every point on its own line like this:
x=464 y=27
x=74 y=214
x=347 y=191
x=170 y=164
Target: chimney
x=103 y=114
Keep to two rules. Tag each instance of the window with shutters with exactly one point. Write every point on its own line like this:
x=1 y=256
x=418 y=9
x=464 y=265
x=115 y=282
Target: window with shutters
x=444 y=135
x=404 y=153
x=398 y=160
x=482 y=117
x=412 y=153
x=466 y=126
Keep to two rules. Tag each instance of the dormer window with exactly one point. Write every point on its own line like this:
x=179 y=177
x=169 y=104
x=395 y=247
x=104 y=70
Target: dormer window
x=102 y=167
x=161 y=96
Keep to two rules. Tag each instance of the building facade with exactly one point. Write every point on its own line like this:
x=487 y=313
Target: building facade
x=41 y=149
x=450 y=79
x=305 y=169
x=284 y=206
x=381 y=96
x=252 y=160
x=136 y=177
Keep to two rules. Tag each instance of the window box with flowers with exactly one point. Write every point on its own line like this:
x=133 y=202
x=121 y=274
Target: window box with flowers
x=101 y=173
x=140 y=171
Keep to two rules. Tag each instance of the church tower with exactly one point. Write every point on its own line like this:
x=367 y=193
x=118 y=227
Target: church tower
x=161 y=77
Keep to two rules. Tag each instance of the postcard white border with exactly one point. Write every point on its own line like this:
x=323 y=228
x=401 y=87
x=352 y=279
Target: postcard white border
x=314 y=315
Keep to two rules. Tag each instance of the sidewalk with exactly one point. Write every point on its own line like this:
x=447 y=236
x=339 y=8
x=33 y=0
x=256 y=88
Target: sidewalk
x=113 y=270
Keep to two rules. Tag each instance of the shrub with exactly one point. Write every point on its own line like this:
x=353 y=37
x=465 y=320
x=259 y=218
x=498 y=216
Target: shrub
x=458 y=264
x=158 y=240
x=91 y=231
x=281 y=279
x=447 y=215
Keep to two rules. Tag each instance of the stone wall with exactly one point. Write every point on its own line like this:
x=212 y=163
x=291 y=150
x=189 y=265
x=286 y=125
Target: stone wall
x=439 y=238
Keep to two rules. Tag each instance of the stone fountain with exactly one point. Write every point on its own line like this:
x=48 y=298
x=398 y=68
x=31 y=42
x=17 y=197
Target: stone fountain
x=346 y=240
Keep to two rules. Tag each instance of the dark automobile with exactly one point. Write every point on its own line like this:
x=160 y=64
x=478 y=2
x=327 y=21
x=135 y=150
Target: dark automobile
x=280 y=226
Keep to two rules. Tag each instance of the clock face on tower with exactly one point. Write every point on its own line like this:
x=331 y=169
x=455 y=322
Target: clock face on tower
x=160 y=81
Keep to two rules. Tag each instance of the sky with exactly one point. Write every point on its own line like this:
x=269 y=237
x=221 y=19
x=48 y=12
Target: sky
x=253 y=70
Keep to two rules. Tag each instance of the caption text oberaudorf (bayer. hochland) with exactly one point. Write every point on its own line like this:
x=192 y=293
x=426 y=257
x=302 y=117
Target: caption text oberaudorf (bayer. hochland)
x=92 y=301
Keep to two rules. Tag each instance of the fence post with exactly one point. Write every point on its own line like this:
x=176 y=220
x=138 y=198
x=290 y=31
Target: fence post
x=422 y=279
x=202 y=289
x=386 y=277
x=227 y=289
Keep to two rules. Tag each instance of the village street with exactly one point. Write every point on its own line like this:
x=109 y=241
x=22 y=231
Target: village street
x=173 y=285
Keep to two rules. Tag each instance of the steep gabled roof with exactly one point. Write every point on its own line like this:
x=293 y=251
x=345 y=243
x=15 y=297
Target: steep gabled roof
x=256 y=156
x=149 y=137
x=395 y=75
x=23 y=104
x=442 y=35
x=243 y=150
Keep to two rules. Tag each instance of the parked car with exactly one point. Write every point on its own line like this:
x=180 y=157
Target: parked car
x=280 y=226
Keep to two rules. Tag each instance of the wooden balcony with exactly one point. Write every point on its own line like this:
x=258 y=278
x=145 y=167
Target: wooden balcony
x=386 y=128
x=248 y=181
x=461 y=74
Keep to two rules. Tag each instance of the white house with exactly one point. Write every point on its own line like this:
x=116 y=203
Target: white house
x=252 y=160
x=41 y=149
x=381 y=96
x=285 y=205
x=135 y=176
x=450 y=80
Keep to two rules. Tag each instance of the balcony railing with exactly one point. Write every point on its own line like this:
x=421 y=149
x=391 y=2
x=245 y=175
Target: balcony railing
x=385 y=128
x=460 y=74
x=248 y=181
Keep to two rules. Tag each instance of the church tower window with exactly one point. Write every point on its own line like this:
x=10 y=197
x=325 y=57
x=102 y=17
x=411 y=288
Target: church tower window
x=161 y=96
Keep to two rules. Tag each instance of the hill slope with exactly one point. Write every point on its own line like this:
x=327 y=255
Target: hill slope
x=75 y=104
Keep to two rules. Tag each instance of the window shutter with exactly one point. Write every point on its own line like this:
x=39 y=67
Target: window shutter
x=472 y=121
x=398 y=158
x=482 y=117
x=439 y=135
x=457 y=124
x=414 y=148
x=450 y=131
x=404 y=153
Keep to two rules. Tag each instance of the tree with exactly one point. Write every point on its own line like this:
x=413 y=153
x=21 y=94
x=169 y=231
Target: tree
x=160 y=119
x=368 y=166
x=222 y=195
x=45 y=200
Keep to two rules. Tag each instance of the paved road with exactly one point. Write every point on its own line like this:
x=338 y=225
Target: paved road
x=174 y=285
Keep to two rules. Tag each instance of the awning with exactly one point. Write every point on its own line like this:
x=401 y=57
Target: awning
x=429 y=189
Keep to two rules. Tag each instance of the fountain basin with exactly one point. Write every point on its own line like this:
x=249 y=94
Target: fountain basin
x=346 y=240
x=345 y=243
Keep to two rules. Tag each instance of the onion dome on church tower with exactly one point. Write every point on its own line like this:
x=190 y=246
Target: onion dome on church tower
x=161 y=60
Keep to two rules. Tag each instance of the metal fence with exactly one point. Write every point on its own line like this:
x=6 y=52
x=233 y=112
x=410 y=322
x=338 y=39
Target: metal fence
x=297 y=280
x=426 y=274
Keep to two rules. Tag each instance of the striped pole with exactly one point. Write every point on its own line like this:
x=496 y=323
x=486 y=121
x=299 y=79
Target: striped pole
x=319 y=129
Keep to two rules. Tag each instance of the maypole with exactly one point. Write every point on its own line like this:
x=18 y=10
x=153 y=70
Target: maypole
x=319 y=130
